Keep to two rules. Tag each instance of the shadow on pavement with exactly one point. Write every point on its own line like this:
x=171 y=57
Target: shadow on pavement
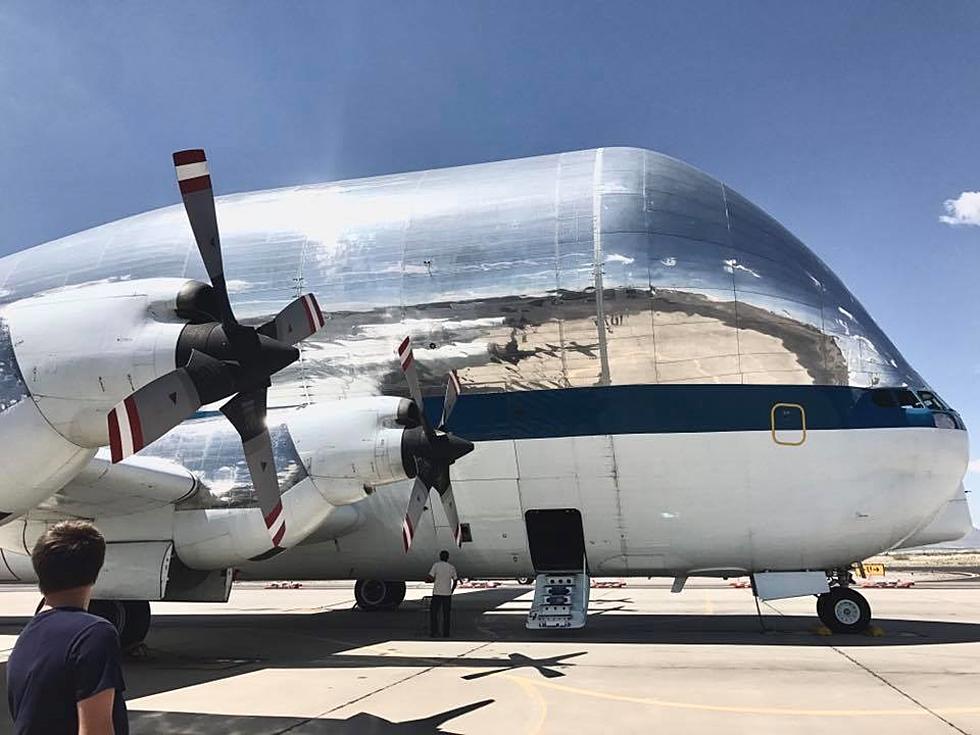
x=193 y=723
x=188 y=650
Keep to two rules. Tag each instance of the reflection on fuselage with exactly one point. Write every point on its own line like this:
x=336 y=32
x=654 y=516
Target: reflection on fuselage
x=602 y=267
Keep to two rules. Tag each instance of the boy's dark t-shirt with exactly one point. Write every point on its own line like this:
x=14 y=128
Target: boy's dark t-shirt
x=63 y=656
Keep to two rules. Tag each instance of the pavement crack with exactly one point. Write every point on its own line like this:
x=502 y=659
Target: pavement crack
x=883 y=680
x=897 y=689
x=355 y=700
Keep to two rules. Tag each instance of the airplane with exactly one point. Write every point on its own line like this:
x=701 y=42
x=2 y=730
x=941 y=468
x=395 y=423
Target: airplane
x=611 y=362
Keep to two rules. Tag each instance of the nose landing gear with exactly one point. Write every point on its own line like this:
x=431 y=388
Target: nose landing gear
x=844 y=609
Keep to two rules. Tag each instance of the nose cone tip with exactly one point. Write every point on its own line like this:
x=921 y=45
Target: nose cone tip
x=459 y=447
x=276 y=355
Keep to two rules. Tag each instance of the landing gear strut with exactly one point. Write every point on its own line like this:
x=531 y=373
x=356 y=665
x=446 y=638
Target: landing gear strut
x=131 y=619
x=378 y=594
x=843 y=609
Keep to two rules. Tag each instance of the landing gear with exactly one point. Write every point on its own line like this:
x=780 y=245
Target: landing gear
x=131 y=619
x=844 y=610
x=378 y=594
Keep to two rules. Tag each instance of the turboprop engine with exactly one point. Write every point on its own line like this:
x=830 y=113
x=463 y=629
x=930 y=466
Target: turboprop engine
x=329 y=455
x=121 y=363
x=81 y=350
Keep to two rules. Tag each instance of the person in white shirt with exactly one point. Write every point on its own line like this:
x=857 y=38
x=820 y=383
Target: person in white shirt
x=444 y=579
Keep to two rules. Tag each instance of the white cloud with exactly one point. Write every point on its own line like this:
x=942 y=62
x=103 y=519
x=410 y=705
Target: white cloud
x=974 y=466
x=964 y=210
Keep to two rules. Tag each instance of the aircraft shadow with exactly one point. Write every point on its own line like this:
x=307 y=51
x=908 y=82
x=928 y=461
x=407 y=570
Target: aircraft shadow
x=188 y=650
x=362 y=723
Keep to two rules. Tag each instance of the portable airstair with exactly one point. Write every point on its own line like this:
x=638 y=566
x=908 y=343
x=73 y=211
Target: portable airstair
x=561 y=600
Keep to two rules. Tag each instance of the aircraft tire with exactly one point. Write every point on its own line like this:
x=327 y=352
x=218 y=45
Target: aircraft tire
x=131 y=619
x=844 y=610
x=396 y=594
x=378 y=594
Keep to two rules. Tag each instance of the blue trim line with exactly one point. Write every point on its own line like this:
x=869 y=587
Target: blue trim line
x=663 y=409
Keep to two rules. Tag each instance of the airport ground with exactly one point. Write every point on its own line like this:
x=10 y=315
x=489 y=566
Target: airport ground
x=278 y=660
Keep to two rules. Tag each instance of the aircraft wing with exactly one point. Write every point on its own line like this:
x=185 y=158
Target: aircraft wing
x=135 y=485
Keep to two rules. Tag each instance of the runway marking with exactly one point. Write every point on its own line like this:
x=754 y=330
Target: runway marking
x=538 y=699
x=709 y=607
x=734 y=709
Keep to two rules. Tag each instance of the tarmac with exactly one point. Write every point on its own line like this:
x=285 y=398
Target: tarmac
x=303 y=661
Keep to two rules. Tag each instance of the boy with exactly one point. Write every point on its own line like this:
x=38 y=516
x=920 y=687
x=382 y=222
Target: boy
x=63 y=675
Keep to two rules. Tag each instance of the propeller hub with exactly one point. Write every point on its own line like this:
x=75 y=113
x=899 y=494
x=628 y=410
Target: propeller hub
x=438 y=449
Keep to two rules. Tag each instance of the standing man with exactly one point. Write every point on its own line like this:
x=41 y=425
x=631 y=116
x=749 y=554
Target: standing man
x=63 y=675
x=444 y=578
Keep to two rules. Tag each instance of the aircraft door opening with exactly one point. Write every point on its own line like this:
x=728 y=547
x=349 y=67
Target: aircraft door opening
x=555 y=539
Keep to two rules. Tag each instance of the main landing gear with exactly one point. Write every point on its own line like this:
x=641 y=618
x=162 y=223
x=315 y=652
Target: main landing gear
x=378 y=594
x=131 y=619
x=843 y=609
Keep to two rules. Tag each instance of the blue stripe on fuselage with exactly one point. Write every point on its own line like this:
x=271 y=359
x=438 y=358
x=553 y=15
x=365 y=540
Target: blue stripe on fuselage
x=661 y=409
x=664 y=409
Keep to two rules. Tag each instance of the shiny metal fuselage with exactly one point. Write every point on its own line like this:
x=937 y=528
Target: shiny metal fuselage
x=605 y=268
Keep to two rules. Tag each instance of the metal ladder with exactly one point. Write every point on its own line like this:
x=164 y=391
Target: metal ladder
x=561 y=600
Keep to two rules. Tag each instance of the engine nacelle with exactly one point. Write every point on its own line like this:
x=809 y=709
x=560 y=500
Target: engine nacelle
x=350 y=447
x=347 y=448
x=83 y=349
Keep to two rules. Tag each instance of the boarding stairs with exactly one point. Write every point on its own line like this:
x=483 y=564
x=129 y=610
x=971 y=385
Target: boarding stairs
x=561 y=600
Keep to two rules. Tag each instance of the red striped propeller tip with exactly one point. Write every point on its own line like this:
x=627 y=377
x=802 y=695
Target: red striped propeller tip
x=194 y=155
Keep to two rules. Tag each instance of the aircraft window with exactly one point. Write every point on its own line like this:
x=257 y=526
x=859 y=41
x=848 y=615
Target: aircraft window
x=465 y=534
x=906 y=398
x=884 y=397
x=931 y=400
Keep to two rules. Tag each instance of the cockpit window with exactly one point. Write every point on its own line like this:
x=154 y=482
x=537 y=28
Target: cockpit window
x=931 y=401
x=895 y=398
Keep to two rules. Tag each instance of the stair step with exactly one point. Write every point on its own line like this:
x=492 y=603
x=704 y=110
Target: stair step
x=561 y=600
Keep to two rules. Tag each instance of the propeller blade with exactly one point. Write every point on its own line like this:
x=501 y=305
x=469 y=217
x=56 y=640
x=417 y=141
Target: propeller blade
x=144 y=416
x=449 y=505
x=296 y=322
x=416 y=504
x=407 y=360
x=247 y=413
x=452 y=393
x=195 y=189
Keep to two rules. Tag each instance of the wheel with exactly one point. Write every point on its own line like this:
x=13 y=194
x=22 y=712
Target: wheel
x=137 y=623
x=131 y=619
x=378 y=594
x=112 y=610
x=525 y=580
x=844 y=610
x=396 y=594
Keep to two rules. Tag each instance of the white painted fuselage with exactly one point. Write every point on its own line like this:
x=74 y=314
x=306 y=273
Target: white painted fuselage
x=659 y=505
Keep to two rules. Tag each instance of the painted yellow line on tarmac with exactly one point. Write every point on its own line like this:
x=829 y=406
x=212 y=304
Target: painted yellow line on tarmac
x=778 y=711
x=709 y=607
x=527 y=686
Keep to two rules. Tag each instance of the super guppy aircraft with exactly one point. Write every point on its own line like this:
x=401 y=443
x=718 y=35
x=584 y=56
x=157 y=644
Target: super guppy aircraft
x=657 y=380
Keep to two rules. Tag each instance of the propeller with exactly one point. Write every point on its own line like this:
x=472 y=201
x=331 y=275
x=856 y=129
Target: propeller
x=433 y=451
x=218 y=357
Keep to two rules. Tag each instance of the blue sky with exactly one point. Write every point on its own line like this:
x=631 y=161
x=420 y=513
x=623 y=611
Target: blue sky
x=852 y=123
